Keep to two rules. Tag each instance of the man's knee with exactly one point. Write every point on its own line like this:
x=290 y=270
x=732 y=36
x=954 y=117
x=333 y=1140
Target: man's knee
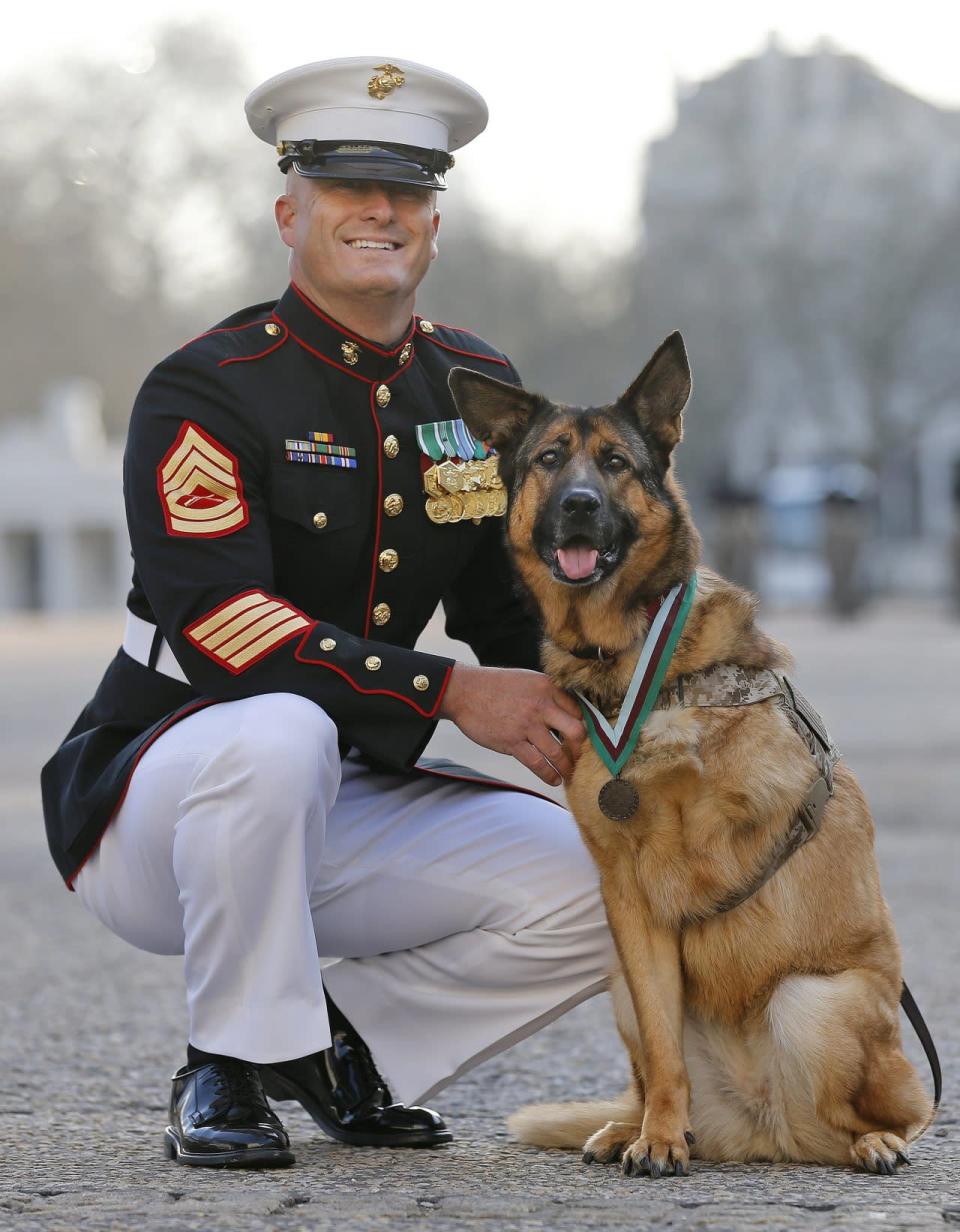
x=284 y=743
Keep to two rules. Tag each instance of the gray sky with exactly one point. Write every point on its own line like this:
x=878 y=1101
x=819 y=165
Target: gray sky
x=575 y=90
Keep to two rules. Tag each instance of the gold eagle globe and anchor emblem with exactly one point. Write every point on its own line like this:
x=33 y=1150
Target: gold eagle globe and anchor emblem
x=387 y=78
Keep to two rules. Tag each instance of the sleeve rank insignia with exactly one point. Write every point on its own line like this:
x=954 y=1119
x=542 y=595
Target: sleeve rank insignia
x=318 y=449
x=463 y=481
x=200 y=488
x=243 y=630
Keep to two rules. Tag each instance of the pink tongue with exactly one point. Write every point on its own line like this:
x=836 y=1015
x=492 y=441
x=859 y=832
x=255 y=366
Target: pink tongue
x=577 y=563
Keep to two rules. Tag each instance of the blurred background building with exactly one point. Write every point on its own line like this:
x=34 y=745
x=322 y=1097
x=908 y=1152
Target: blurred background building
x=799 y=224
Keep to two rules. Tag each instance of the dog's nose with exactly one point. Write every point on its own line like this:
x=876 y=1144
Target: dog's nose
x=580 y=501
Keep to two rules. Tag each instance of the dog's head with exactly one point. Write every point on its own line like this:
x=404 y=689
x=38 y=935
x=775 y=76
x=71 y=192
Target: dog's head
x=591 y=495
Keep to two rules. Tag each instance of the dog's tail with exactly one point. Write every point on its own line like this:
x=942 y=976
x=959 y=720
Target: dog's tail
x=568 y=1125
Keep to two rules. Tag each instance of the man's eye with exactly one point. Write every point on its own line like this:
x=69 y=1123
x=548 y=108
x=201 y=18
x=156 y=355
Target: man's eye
x=616 y=462
x=549 y=457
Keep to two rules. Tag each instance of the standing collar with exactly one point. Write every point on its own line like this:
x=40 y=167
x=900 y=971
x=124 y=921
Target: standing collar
x=329 y=340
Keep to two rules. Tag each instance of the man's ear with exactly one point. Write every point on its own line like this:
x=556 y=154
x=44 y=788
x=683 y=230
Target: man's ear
x=659 y=394
x=492 y=410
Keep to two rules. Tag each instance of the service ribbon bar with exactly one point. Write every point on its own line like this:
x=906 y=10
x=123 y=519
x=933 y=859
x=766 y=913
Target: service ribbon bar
x=339 y=451
x=614 y=745
x=319 y=459
x=325 y=438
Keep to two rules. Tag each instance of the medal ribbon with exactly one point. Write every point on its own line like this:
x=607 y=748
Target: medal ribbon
x=449 y=438
x=614 y=745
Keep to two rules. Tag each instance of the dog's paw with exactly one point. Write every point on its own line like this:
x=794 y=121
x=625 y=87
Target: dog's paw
x=657 y=1154
x=881 y=1153
x=607 y=1145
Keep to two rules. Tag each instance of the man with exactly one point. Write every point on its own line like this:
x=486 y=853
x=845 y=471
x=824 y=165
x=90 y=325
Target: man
x=243 y=787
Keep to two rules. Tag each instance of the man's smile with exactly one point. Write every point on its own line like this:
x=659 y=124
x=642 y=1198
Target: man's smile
x=386 y=245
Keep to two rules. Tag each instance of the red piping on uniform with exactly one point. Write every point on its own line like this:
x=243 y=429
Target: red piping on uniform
x=332 y=362
x=226 y=329
x=242 y=359
x=376 y=533
x=200 y=534
x=237 y=671
x=467 y=778
x=181 y=714
x=427 y=714
x=356 y=337
x=458 y=351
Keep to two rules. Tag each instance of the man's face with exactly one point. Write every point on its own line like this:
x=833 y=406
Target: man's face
x=357 y=237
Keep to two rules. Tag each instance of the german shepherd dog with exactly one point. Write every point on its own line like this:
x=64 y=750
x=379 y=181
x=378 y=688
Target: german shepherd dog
x=768 y=1031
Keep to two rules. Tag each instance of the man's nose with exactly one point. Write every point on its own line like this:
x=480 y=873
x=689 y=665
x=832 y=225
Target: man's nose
x=580 y=501
x=377 y=203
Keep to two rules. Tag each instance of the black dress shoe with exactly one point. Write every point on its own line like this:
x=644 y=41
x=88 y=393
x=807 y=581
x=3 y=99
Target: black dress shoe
x=343 y=1092
x=219 y=1118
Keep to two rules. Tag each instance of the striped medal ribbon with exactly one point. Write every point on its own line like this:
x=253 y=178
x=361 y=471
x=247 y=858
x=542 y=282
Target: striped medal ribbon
x=619 y=799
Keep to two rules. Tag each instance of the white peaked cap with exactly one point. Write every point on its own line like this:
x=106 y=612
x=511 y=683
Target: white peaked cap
x=368 y=99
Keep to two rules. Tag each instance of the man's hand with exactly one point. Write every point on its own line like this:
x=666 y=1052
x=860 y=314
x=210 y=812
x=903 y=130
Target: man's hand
x=517 y=712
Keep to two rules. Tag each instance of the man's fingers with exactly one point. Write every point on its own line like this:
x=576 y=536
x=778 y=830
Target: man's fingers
x=567 y=703
x=534 y=760
x=557 y=754
x=568 y=728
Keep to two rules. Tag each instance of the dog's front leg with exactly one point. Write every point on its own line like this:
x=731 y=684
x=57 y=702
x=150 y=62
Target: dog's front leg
x=650 y=961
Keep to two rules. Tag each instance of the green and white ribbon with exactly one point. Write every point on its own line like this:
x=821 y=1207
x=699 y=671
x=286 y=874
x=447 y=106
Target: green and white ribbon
x=615 y=744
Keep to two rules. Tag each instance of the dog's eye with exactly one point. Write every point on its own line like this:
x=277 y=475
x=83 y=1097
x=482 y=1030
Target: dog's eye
x=549 y=457
x=616 y=462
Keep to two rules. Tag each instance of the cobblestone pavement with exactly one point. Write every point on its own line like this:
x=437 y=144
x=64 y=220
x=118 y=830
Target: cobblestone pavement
x=91 y=1028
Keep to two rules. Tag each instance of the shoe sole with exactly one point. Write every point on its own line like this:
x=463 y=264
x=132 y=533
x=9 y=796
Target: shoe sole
x=280 y=1088
x=263 y=1157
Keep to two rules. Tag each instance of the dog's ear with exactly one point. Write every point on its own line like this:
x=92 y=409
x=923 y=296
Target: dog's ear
x=492 y=410
x=659 y=394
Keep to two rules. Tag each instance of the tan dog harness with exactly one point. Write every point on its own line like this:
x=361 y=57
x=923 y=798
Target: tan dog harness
x=728 y=684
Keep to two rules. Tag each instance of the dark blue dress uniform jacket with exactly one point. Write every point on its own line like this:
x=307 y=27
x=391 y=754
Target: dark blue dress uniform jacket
x=267 y=575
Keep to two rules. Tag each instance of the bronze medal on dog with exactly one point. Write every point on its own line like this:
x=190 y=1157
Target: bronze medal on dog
x=618 y=800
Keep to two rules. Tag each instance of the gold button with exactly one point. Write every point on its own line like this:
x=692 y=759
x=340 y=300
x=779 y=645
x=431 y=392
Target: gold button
x=393 y=505
x=406 y=353
x=381 y=613
x=388 y=560
x=421 y=683
x=427 y=327
x=372 y=664
x=383 y=395
x=328 y=644
x=319 y=520
x=391 y=446
x=272 y=329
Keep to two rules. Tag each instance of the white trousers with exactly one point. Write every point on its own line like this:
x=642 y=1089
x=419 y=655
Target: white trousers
x=463 y=918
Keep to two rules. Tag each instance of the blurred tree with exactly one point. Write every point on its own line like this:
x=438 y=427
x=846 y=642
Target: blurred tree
x=127 y=203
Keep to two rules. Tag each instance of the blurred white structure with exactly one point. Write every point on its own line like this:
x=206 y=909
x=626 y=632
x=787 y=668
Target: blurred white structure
x=63 y=536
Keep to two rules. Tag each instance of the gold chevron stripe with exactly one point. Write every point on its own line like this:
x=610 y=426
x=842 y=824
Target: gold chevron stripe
x=277 y=635
x=223 y=521
x=199 y=631
x=193 y=441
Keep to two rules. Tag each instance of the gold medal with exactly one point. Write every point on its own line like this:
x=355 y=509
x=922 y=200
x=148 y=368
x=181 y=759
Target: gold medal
x=438 y=510
x=450 y=477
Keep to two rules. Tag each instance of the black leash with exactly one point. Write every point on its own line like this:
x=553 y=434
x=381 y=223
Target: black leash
x=912 y=1011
